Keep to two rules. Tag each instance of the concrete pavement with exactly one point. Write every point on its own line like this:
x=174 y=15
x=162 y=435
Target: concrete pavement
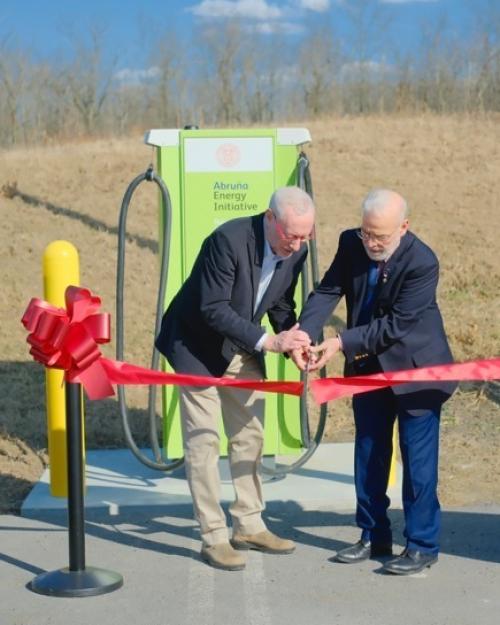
x=166 y=582
x=156 y=549
x=116 y=481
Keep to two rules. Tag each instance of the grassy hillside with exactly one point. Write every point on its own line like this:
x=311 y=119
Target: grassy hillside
x=448 y=168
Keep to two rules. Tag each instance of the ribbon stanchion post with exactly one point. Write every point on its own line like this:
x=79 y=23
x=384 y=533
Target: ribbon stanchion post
x=77 y=580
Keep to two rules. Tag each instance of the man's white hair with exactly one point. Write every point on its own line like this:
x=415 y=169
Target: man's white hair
x=290 y=197
x=377 y=200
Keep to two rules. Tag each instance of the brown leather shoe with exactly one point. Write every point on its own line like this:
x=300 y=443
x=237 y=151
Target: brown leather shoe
x=265 y=541
x=223 y=556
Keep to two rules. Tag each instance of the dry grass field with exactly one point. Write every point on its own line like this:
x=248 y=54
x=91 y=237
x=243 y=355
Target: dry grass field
x=449 y=170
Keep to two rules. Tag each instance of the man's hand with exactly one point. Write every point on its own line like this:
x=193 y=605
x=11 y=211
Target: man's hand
x=287 y=341
x=327 y=349
x=300 y=357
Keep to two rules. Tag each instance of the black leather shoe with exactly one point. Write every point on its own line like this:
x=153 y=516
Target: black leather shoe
x=363 y=550
x=409 y=562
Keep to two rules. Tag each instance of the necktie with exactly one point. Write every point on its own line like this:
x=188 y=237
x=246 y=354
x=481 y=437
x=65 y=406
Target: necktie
x=366 y=309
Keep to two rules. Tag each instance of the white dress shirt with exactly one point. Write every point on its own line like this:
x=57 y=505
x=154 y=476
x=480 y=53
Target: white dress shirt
x=269 y=263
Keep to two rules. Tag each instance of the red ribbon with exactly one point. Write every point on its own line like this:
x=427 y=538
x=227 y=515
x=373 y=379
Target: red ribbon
x=123 y=373
x=327 y=389
x=68 y=339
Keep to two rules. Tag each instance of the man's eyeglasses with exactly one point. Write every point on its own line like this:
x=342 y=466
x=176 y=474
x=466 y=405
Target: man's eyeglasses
x=377 y=238
x=291 y=238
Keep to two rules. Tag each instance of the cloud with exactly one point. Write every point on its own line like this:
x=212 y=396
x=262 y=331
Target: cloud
x=315 y=5
x=273 y=28
x=253 y=9
x=406 y=1
x=268 y=17
x=133 y=77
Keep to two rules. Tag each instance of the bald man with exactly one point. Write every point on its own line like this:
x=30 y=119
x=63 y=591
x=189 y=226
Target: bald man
x=389 y=278
x=246 y=268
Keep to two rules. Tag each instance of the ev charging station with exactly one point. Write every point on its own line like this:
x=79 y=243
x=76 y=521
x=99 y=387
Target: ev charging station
x=213 y=176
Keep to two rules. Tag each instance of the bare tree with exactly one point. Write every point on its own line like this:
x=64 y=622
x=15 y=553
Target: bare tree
x=484 y=57
x=368 y=26
x=222 y=48
x=439 y=77
x=229 y=72
x=319 y=66
x=13 y=78
x=169 y=64
x=87 y=78
x=258 y=79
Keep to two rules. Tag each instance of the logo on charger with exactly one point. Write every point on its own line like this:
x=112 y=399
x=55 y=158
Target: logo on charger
x=228 y=155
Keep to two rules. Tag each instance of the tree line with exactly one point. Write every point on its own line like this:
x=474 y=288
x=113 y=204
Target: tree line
x=227 y=74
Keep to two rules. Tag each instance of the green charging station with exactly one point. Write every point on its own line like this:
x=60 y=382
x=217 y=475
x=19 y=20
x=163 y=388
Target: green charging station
x=214 y=176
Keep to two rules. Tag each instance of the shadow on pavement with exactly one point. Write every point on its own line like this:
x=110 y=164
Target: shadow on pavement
x=465 y=533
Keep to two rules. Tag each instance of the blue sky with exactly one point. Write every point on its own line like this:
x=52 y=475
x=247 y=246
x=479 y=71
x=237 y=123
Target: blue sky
x=46 y=29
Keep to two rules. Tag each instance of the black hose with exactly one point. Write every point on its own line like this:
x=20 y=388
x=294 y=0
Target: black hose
x=158 y=463
x=304 y=182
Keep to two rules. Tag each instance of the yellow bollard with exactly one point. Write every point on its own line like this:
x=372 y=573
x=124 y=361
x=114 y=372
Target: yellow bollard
x=60 y=270
x=395 y=443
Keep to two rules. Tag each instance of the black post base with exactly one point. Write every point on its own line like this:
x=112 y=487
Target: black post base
x=65 y=583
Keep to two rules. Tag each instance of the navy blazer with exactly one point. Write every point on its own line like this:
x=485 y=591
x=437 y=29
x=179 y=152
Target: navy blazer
x=211 y=317
x=406 y=329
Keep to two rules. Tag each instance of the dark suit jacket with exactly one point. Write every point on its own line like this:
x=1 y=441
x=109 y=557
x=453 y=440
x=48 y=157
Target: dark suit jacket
x=406 y=330
x=211 y=317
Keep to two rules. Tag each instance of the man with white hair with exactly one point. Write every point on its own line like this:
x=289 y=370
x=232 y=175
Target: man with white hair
x=246 y=268
x=389 y=278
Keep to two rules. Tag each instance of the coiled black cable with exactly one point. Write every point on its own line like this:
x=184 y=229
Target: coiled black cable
x=150 y=176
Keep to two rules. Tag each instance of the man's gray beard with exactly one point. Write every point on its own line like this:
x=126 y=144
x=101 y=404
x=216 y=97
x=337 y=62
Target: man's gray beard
x=381 y=256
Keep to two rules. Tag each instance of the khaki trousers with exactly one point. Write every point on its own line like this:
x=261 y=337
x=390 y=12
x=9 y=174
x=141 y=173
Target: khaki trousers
x=243 y=417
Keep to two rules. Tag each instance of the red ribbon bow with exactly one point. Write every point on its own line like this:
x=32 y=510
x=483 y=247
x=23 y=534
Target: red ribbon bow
x=68 y=339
